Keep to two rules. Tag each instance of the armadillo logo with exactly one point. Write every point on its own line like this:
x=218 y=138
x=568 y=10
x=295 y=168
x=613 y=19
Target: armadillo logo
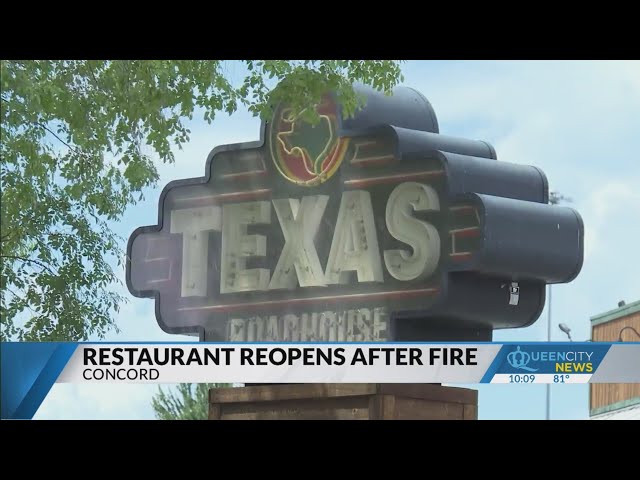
x=307 y=154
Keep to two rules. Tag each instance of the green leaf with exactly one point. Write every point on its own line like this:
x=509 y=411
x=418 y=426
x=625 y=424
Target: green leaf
x=62 y=121
x=188 y=402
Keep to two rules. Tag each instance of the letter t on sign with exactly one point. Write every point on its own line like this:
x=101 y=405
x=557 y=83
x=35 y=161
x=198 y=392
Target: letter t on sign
x=195 y=225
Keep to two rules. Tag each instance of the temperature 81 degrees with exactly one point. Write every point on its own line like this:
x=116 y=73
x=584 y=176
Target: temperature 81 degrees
x=540 y=378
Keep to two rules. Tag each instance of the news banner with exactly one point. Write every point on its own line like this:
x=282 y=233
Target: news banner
x=29 y=370
x=326 y=362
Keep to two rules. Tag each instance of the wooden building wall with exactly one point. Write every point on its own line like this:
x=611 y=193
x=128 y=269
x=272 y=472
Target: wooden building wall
x=604 y=394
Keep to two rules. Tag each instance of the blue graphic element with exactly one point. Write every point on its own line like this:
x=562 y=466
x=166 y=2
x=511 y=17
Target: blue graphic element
x=520 y=360
x=548 y=358
x=29 y=370
x=497 y=362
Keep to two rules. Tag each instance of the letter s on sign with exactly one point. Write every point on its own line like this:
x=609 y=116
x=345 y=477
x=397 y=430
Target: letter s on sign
x=422 y=236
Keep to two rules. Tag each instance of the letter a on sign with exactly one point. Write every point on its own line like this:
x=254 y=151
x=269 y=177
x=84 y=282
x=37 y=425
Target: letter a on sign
x=355 y=242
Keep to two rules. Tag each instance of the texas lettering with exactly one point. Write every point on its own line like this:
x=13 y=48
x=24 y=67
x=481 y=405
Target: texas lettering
x=354 y=245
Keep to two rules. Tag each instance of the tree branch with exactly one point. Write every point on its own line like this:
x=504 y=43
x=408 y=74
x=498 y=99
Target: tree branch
x=58 y=138
x=84 y=156
x=30 y=260
x=95 y=80
x=35 y=314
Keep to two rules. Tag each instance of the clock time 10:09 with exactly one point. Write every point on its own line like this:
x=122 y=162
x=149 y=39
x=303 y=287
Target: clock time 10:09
x=521 y=378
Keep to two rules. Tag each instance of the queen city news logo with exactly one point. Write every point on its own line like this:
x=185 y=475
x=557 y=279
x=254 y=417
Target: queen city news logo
x=551 y=361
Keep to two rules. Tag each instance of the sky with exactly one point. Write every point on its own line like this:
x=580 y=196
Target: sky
x=579 y=121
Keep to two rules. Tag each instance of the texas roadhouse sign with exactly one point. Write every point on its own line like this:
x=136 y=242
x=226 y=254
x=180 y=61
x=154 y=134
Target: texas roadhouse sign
x=371 y=228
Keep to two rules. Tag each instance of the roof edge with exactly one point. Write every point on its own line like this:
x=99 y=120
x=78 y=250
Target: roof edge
x=628 y=309
x=615 y=407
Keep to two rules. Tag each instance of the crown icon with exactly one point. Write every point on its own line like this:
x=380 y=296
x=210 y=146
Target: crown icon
x=520 y=360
